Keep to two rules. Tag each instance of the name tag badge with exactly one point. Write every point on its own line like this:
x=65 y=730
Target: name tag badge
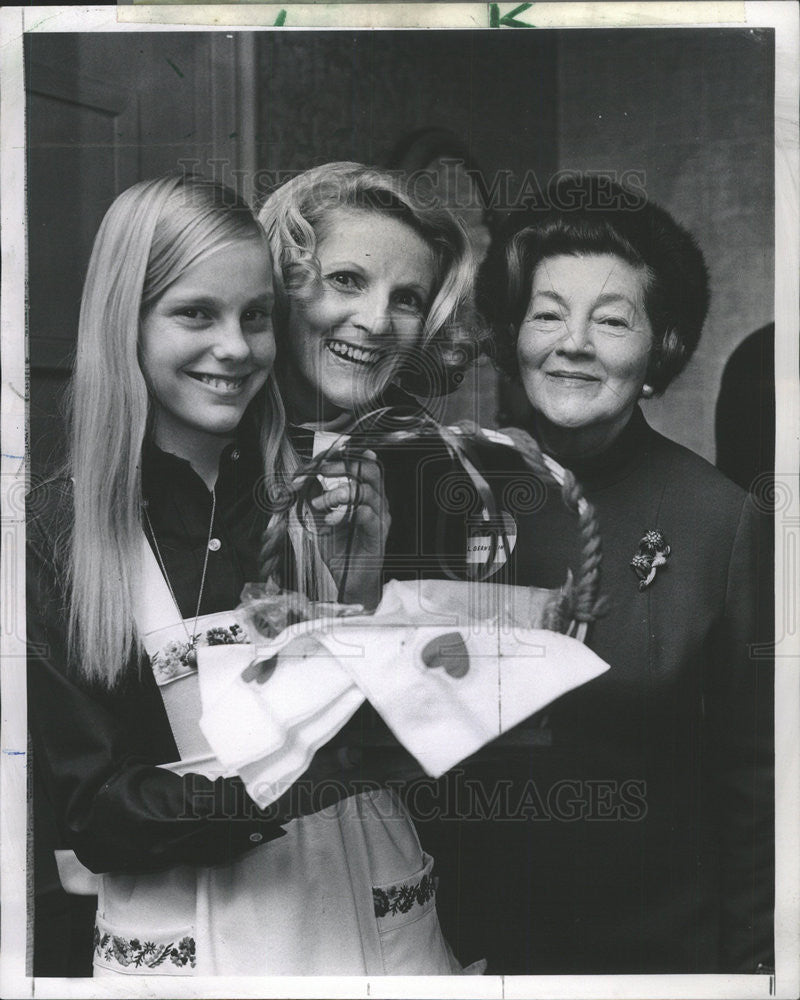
x=488 y=539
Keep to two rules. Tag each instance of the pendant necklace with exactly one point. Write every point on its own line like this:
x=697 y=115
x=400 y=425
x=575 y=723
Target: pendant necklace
x=191 y=654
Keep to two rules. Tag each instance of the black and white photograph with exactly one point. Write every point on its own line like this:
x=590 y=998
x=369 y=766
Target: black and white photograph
x=390 y=469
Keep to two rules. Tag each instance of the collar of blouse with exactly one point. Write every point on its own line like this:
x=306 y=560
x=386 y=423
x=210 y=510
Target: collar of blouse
x=616 y=462
x=240 y=468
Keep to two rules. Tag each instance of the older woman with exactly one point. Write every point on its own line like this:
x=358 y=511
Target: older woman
x=640 y=840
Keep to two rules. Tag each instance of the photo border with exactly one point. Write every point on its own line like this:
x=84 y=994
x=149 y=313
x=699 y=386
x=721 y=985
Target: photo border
x=13 y=477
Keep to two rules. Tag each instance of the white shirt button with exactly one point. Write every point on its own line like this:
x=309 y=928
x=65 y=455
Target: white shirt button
x=256 y=838
x=235 y=455
x=214 y=545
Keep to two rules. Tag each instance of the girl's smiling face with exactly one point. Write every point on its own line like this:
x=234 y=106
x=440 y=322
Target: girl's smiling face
x=207 y=346
x=347 y=332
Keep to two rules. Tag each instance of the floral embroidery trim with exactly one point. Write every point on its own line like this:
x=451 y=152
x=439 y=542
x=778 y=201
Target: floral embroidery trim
x=653 y=552
x=400 y=898
x=176 y=658
x=133 y=952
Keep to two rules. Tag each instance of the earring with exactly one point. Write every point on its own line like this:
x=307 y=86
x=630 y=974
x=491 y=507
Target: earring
x=647 y=391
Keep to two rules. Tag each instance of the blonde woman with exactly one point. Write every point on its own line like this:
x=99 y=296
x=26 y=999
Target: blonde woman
x=373 y=291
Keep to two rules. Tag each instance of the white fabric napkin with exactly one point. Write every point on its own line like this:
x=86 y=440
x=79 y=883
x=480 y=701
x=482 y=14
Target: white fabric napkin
x=475 y=686
x=248 y=719
x=449 y=666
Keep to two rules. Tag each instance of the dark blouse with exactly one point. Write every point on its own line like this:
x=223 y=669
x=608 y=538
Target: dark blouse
x=638 y=836
x=96 y=750
x=434 y=508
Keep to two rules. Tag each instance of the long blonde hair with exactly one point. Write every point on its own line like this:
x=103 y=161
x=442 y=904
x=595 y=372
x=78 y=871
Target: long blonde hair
x=150 y=235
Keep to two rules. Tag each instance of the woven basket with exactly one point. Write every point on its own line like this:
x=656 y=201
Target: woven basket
x=569 y=609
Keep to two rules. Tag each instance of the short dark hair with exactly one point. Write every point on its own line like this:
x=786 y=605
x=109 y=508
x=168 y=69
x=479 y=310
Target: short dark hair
x=587 y=214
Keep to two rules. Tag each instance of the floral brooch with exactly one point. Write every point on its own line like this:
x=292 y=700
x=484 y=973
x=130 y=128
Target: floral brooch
x=653 y=552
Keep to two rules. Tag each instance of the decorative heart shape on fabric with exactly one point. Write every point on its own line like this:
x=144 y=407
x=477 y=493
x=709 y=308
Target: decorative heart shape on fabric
x=448 y=651
x=260 y=671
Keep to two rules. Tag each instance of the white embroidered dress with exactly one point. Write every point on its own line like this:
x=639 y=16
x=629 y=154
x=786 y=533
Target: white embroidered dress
x=346 y=891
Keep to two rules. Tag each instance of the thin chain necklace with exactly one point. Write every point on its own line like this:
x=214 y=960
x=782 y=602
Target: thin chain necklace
x=192 y=637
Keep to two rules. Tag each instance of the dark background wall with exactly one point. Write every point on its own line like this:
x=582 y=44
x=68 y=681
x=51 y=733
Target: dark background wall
x=354 y=96
x=338 y=96
x=691 y=110
x=105 y=110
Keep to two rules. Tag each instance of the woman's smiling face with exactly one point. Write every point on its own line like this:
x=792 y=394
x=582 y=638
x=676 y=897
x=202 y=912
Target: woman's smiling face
x=583 y=348
x=347 y=332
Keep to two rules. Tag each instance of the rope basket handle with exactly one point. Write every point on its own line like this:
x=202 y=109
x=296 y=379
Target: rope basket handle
x=573 y=611
x=578 y=604
x=587 y=603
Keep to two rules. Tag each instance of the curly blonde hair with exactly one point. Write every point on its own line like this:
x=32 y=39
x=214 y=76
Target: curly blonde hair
x=294 y=214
